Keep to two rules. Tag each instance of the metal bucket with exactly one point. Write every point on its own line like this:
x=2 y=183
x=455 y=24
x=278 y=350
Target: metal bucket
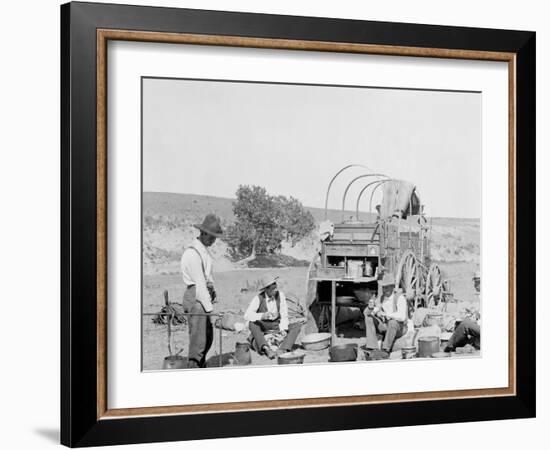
x=427 y=346
x=291 y=358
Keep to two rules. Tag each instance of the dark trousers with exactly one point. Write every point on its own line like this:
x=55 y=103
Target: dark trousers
x=201 y=333
x=260 y=327
x=466 y=332
x=391 y=330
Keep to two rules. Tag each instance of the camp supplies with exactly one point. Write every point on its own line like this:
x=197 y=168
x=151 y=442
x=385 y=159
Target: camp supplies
x=343 y=352
x=291 y=358
x=316 y=341
x=354 y=269
x=363 y=294
x=374 y=354
x=344 y=300
x=434 y=318
x=174 y=362
x=427 y=346
x=242 y=353
x=408 y=352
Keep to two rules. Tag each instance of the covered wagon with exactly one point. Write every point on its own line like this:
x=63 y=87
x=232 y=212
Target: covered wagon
x=392 y=238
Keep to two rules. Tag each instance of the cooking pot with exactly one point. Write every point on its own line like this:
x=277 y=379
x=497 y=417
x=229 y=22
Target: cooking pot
x=343 y=352
x=374 y=354
x=174 y=362
x=242 y=353
x=363 y=294
x=291 y=358
x=316 y=341
x=427 y=346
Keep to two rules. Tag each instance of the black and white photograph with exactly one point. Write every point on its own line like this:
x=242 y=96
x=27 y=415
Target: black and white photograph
x=308 y=224
x=334 y=210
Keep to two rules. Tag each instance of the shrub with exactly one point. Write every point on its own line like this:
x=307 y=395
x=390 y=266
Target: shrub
x=264 y=221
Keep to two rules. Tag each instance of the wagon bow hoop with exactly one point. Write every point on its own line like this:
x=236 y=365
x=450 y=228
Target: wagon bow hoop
x=367 y=175
x=334 y=178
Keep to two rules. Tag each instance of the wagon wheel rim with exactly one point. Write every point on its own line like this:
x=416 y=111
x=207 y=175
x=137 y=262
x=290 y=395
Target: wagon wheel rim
x=409 y=275
x=434 y=285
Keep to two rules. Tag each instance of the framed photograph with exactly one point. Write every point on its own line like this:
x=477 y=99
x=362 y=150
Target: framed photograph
x=277 y=224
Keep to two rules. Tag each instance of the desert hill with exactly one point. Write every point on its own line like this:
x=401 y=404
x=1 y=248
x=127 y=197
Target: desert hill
x=196 y=206
x=168 y=220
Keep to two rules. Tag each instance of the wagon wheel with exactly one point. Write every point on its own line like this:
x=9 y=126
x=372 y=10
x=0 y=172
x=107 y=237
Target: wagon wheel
x=408 y=277
x=434 y=286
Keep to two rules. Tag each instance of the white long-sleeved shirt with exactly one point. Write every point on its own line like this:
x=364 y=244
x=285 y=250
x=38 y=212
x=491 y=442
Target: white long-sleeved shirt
x=252 y=314
x=193 y=273
x=399 y=313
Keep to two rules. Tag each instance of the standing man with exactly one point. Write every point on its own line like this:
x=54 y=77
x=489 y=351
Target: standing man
x=196 y=269
x=388 y=316
x=268 y=312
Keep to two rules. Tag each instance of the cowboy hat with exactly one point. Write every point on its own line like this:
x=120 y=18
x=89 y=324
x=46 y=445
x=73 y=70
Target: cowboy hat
x=388 y=280
x=211 y=225
x=266 y=282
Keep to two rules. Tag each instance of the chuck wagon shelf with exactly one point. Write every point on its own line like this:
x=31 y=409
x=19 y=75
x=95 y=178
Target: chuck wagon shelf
x=356 y=253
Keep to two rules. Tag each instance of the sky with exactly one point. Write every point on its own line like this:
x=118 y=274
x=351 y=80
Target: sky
x=208 y=137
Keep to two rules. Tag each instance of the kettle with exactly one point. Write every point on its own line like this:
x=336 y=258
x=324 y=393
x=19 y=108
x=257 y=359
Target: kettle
x=242 y=353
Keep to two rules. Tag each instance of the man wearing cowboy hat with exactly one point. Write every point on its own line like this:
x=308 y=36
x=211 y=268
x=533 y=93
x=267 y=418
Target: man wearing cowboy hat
x=196 y=269
x=268 y=312
x=387 y=316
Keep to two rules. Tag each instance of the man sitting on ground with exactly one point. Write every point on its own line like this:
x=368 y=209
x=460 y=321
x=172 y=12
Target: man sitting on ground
x=468 y=330
x=387 y=316
x=268 y=312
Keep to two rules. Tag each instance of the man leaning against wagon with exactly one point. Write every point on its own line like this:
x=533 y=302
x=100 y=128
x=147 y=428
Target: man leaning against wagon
x=196 y=269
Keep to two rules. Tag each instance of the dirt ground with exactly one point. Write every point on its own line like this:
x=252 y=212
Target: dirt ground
x=235 y=290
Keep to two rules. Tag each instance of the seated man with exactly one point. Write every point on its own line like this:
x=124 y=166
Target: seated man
x=387 y=316
x=468 y=330
x=268 y=312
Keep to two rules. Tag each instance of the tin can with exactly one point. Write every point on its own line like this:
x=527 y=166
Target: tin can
x=354 y=269
x=408 y=352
